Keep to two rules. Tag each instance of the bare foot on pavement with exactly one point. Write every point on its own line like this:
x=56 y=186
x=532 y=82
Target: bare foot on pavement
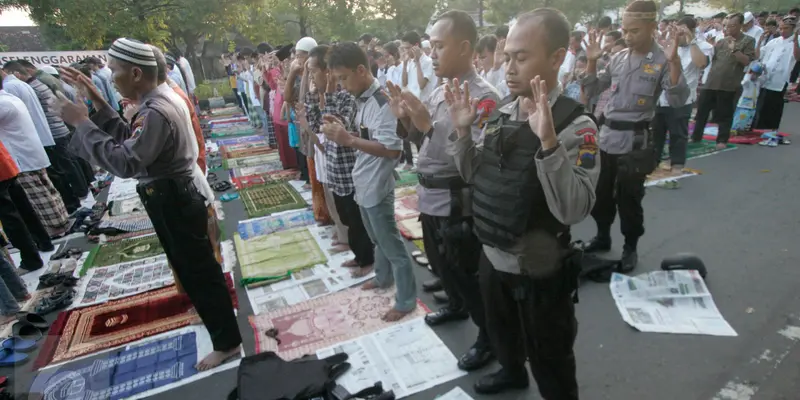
x=339 y=249
x=394 y=315
x=350 y=264
x=361 y=272
x=217 y=358
x=370 y=285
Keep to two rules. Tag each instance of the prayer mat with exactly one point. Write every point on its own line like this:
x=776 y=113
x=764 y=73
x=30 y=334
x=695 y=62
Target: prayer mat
x=131 y=205
x=83 y=331
x=255 y=170
x=123 y=251
x=661 y=175
x=309 y=326
x=122 y=373
x=245 y=145
x=410 y=228
x=119 y=236
x=265 y=178
x=245 y=130
x=420 y=244
x=113 y=282
x=275 y=223
x=704 y=148
x=269 y=199
x=270 y=160
x=243 y=139
x=233 y=110
x=275 y=257
x=249 y=152
x=46 y=201
x=407 y=178
x=133 y=223
x=406 y=207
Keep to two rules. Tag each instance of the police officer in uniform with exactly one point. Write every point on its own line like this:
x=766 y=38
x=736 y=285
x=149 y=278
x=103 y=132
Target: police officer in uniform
x=533 y=176
x=444 y=203
x=636 y=76
x=155 y=150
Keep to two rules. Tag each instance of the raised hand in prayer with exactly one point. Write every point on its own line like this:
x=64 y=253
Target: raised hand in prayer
x=396 y=100
x=499 y=53
x=540 y=117
x=462 y=108
x=417 y=111
x=671 y=50
x=73 y=113
x=83 y=84
x=593 y=49
x=334 y=130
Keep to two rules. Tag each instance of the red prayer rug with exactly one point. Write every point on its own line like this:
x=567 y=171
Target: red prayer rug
x=304 y=328
x=83 y=331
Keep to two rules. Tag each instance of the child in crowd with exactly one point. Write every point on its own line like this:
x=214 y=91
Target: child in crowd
x=573 y=87
x=746 y=108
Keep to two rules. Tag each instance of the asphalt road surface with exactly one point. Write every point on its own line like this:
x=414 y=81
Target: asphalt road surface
x=740 y=217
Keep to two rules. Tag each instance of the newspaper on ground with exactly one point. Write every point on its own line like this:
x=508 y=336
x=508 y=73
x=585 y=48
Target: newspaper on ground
x=307 y=284
x=668 y=302
x=456 y=394
x=122 y=189
x=407 y=358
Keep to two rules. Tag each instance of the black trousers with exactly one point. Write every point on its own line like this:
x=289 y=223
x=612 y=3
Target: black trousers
x=408 y=155
x=619 y=192
x=676 y=122
x=769 y=110
x=456 y=264
x=795 y=74
x=57 y=173
x=723 y=104
x=180 y=219
x=73 y=175
x=22 y=226
x=541 y=327
x=357 y=237
x=302 y=165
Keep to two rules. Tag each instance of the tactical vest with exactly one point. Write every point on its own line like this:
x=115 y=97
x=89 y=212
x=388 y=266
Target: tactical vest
x=508 y=199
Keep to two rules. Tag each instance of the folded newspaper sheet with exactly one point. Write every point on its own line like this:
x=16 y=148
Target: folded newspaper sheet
x=668 y=302
x=456 y=394
x=406 y=358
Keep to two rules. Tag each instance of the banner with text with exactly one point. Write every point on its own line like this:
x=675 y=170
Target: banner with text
x=42 y=58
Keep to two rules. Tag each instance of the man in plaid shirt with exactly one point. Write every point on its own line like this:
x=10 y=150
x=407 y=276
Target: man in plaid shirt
x=340 y=160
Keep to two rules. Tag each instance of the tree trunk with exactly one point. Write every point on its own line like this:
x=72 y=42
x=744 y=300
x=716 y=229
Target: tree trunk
x=302 y=21
x=680 y=10
x=480 y=13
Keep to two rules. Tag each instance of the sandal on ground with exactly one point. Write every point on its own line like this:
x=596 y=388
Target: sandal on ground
x=67 y=252
x=221 y=186
x=19 y=345
x=229 y=197
x=26 y=332
x=416 y=253
x=59 y=299
x=670 y=184
x=10 y=358
x=422 y=261
x=33 y=319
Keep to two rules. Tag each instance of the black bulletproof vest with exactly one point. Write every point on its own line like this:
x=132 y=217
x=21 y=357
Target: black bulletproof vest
x=508 y=199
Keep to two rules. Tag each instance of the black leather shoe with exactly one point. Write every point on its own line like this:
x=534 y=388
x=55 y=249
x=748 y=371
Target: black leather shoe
x=441 y=297
x=445 y=315
x=629 y=260
x=433 y=285
x=501 y=381
x=597 y=244
x=476 y=358
x=46 y=248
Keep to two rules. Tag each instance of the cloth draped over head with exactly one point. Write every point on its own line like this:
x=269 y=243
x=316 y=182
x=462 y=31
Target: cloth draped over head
x=646 y=16
x=790 y=20
x=133 y=51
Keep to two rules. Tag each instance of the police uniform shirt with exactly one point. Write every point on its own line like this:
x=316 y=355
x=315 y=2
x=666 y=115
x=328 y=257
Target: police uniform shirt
x=433 y=159
x=636 y=82
x=373 y=176
x=568 y=175
x=151 y=147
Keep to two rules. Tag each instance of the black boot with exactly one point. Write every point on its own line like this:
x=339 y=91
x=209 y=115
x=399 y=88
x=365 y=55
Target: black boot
x=600 y=243
x=502 y=381
x=433 y=285
x=445 y=315
x=477 y=357
x=629 y=259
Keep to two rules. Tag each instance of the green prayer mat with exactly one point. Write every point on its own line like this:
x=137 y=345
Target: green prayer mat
x=123 y=251
x=233 y=132
x=271 y=160
x=407 y=178
x=268 y=199
x=694 y=150
x=274 y=257
x=420 y=245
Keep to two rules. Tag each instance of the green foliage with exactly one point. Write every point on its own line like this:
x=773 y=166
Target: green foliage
x=205 y=90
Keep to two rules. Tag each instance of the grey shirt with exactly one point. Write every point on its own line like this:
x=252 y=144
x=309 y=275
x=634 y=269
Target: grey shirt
x=151 y=147
x=569 y=187
x=47 y=98
x=636 y=83
x=373 y=176
x=433 y=159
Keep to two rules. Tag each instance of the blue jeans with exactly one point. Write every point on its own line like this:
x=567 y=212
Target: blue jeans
x=12 y=289
x=392 y=262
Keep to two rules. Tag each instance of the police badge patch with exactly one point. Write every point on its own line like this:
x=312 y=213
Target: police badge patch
x=485 y=108
x=138 y=127
x=587 y=152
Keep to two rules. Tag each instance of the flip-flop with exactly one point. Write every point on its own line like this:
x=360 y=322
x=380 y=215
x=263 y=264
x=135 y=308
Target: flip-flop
x=26 y=332
x=422 y=261
x=34 y=320
x=229 y=197
x=9 y=358
x=416 y=253
x=18 y=344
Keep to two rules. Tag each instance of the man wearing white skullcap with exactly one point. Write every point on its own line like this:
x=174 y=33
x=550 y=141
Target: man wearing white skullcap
x=154 y=149
x=750 y=28
x=292 y=95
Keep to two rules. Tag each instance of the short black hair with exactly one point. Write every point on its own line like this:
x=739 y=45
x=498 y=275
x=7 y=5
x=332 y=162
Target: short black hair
x=411 y=37
x=16 y=66
x=794 y=11
x=392 y=49
x=425 y=36
x=763 y=14
x=347 y=55
x=604 y=22
x=501 y=32
x=719 y=15
x=616 y=35
x=463 y=26
x=177 y=53
x=487 y=42
x=577 y=35
x=366 y=38
x=689 y=22
x=738 y=16
x=621 y=42
x=553 y=24
x=26 y=64
x=771 y=22
x=320 y=53
x=264 y=48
